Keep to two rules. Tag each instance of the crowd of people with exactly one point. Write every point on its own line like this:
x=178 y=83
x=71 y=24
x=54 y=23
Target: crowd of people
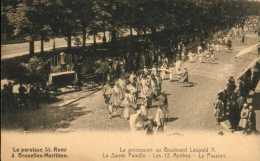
x=133 y=95
x=233 y=110
x=133 y=84
x=23 y=99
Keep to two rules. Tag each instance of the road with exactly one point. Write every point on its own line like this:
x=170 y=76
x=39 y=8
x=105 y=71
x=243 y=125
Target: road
x=190 y=108
x=20 y=49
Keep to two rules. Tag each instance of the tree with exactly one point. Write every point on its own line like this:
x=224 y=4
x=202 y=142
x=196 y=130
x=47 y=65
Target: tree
x=34 y=71
x=84 y=16
x=63 y=19
x=30 y=20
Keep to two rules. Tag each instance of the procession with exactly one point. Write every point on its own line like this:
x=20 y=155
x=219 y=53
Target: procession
x=148 y=77
x=137 y=92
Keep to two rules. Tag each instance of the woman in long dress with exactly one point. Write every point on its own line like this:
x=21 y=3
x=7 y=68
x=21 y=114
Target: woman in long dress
x=159 y=119
x=184 y=76
x=143 y=87
x=143 y=108
x=154 y=70
x=191 y=57
x=163 y=71
x=116 y=98
x=154 y=87
x=135 y=121
x=178 y=66
x=126 y=105
x=107 y=93
x=132 y=95
x=244 y=117
x=172 y=72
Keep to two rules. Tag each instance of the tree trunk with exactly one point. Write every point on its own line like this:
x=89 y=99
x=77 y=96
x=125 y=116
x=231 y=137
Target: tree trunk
x=153 y=29
x=131 y=31
x=54 y=44
x=84 y=36
x=104 y=37
x=113 y=35
x=94 y=39
x=144 y=31
x=138 y=33
x=31 y=47
x=69 y=41
x=42 y=44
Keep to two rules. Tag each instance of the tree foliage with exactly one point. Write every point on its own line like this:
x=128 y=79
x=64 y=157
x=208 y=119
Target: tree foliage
x=45 y=18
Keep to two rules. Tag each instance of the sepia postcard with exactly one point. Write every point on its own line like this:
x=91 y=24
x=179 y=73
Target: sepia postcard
x=130 y=80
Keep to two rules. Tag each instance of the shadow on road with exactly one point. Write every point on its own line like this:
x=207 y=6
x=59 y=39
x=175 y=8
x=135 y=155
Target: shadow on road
x=172 y=119
x=187 y=84
x=43 y=119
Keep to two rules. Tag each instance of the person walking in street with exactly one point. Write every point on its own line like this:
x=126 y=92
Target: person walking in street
x=116 y=99
x=229 y=43
x=243 y=38
x=184 y=76
x=126 y=104
x=136 y=121
x=163 y=103
x=159 y=119
x=107 y=93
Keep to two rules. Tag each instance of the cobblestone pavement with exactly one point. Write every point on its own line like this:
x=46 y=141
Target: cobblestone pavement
x=190 y=107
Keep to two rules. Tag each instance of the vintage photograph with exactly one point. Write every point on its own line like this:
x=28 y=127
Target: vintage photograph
x=152 y=67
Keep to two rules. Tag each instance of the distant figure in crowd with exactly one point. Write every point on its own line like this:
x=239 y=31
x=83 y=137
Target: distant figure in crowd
x=244 y=116
x=231 y=86
x=136 y=121
x=220 y=108
x=107 y=93
x=243 y=38
x=22 y=95
x=184 y=76
x=251 y=120
x=229 y=44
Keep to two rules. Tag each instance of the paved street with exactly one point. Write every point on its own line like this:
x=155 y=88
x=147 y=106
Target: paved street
x=20 y=49
x=190 y=107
